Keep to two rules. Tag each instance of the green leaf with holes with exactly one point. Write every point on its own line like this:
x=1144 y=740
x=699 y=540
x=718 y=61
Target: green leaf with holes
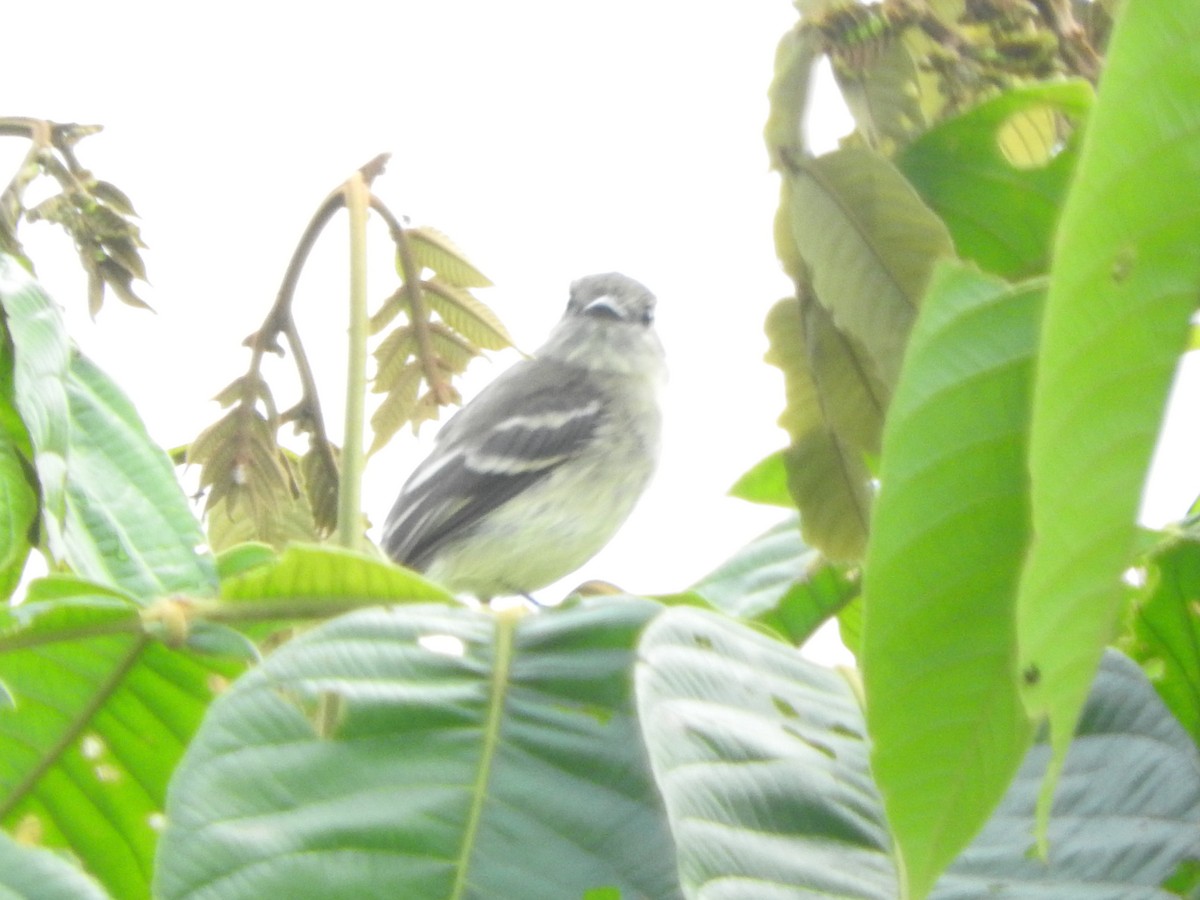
x=1123 y=289
x=1001 y=211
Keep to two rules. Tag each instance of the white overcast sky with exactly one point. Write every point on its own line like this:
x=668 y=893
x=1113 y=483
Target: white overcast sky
x=548 y=139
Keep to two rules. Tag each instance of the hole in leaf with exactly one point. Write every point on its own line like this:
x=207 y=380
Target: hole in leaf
x=107 y=774
x=445 y=644
x=1031 y=138
x=91 y=747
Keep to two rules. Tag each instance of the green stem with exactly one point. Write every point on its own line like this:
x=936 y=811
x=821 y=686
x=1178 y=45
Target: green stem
x=350 y=493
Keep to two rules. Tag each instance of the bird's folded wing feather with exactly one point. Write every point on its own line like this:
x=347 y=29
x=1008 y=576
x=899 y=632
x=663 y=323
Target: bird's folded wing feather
x=515 y=433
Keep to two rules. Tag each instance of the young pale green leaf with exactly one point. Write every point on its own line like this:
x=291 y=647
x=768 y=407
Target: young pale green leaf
x=41 y=357
x=1123 y=287
x=1001 y=215
x=779 y=582
x=426 y=752
x=1166 y=630
x=948 y=539
x=466 y=315
x=827 y=477
x=128 y=521
x=869 y=243
x=1126 y=813
x=433 y=250
x=398 y=407
x=761 y=758
x=34 y=873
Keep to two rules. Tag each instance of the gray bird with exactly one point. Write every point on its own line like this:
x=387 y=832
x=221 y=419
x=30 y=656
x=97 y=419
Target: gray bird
x=529 y=480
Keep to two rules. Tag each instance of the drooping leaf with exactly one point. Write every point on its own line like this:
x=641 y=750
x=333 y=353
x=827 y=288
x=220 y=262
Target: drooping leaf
x=827 y=477
x=869 y=244
x=320 y=472
x=426 y=753
x=433 y=250
x=467 y=315
x=398 y=408
x=948 y=540
x=1123 y=287
x=1001 y=215
x=248 y=478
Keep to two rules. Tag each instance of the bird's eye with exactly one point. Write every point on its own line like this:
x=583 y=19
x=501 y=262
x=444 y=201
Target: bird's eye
x=648 y=316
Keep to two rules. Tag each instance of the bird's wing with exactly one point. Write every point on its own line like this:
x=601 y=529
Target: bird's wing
x=516 y=432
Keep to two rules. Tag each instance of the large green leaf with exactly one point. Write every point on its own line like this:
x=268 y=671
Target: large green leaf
x=426 y=752
x=869 y=244
x=1166 y=629
x=128 y=521
x=1002 y=215
x=948 y=539
x=1124 y=284
x=40 y=361
x=762 y=759
x=31 y=873
x=1126 y=813
x=101 y=712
